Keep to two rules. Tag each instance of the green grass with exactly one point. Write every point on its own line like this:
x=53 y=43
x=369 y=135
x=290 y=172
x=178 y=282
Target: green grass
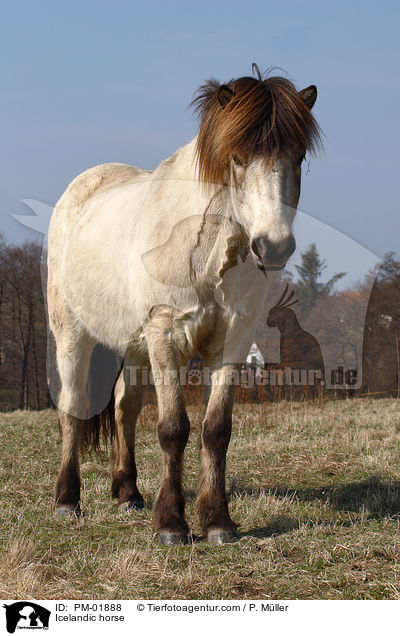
x=315 y=489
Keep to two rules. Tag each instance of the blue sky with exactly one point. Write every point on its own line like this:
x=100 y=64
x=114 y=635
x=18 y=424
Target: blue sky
x=90 y=82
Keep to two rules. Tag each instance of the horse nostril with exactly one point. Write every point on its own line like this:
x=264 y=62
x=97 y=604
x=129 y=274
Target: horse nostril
x=290 y=246
x=287 y=246
x=259 y=247
x=271 y=253
x=281 y=247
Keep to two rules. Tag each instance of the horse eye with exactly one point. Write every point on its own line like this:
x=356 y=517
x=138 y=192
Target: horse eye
x=300 y=161
x=237 y=160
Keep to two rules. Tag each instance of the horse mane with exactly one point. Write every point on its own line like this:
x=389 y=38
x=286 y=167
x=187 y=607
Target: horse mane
x=263 y=117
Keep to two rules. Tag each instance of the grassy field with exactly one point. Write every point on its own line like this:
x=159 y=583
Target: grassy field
x=315 y=489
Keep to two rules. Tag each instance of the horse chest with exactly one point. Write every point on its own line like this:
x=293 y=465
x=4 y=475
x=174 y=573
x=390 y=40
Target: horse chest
x=195 y=332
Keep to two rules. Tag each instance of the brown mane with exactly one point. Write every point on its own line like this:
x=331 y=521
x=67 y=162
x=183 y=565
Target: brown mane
x=263 y=117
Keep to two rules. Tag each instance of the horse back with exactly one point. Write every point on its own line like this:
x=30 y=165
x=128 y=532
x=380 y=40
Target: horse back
x=93 y=181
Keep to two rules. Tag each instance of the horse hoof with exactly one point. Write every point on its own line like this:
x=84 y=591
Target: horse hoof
x=171 y=537
x=130 y=506
x=219 y=536
x=64 y=512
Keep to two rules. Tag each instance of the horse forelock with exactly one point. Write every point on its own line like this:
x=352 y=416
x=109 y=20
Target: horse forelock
x=264 y=117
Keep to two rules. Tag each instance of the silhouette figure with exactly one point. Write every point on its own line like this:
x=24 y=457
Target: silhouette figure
x=299 y=349
x=16 y=612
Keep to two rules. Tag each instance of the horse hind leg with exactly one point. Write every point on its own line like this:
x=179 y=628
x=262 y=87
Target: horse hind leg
x=73 y=359
x=128 y=404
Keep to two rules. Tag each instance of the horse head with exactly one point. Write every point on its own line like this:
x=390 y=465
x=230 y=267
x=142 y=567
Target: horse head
x=253 y=137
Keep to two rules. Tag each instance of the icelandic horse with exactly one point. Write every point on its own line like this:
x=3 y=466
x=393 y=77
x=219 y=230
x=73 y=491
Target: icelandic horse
x=159 y=265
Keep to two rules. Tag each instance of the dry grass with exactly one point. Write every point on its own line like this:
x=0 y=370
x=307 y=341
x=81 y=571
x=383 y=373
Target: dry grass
x=316 y=489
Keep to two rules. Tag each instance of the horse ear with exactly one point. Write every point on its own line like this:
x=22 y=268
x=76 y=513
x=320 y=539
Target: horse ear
x=309 y=95
x=224 y=95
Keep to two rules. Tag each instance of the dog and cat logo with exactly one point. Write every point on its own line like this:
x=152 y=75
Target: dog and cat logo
x=26 y=615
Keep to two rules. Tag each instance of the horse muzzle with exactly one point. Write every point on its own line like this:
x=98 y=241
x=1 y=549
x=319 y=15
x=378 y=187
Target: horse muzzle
x=273 y=256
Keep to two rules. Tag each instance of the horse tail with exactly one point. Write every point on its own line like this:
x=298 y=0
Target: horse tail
x=98 y=429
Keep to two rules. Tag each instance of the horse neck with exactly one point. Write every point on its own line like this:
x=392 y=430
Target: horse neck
x=180 y=166
x=214 y=203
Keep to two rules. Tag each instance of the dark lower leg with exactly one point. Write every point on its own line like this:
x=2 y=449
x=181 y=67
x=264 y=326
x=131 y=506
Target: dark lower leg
x=68 y=481
x=127 y=409
x=173 y=426
x=173 y=433
x=212 y=502
x=124 y=488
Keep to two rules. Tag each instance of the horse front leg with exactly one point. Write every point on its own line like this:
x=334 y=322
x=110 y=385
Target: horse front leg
x=173 y=432
x=212 y=503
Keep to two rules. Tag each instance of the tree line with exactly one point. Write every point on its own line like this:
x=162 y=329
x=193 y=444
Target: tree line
x=23 y=330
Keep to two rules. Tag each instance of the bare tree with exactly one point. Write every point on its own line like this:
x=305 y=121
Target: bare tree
x=22 y=327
